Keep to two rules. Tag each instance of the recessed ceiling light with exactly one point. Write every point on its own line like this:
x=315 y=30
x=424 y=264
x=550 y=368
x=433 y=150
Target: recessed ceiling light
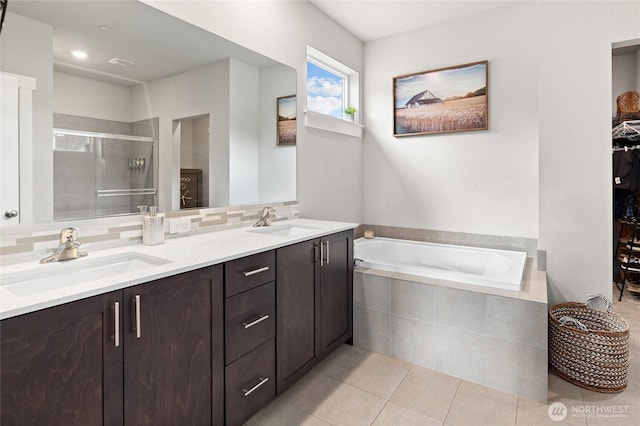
x=105 y=28
x=79 y=54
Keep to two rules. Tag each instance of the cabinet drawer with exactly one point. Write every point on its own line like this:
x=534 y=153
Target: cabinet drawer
x=249 y=272
x=250 y=320
x=250 y=384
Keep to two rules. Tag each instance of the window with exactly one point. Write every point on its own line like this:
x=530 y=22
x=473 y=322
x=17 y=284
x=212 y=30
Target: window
x=331 y=86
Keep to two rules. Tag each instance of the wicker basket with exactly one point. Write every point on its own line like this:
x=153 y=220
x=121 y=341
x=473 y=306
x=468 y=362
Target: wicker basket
x=589 y=347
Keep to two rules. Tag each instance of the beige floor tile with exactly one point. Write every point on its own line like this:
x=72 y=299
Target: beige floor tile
x=349 y=406
x=562 y=390
x=282 y=413
x=398 y=363
x=377 y=375
x=396 y=415
x=629 y=398
x=498 y=395
x=427 y=392
x=634 y=370
x=476 y=404
x=310 y=391
x=536 y=413
x=343 y=361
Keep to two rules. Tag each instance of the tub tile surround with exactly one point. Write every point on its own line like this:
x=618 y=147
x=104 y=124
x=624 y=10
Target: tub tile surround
x=24 y=242
x=457 y=333
x=490 y=336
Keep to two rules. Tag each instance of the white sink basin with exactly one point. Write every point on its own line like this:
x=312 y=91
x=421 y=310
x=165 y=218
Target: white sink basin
x=53 y=276
x=285 y=230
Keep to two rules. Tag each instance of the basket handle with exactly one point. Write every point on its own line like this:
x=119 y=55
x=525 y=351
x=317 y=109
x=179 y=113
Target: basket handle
x=598 y=296
x=572 y=321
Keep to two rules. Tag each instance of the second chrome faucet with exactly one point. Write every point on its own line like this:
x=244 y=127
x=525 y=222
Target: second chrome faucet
x=266 y=216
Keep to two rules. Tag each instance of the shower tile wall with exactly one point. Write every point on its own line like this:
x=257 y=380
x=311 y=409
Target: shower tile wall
x=77 y=175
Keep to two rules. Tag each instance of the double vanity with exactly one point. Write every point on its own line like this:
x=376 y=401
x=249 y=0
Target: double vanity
x=203 y=329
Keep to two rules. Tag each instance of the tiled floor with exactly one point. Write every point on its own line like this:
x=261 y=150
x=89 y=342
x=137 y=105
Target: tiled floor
x=357 y=387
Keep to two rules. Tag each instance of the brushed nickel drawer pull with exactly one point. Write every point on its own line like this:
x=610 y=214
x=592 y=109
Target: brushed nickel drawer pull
x=137 y=302
x=258 y=320
x=327 y=252
x=321 y=253
x=262 y=382
x=116 y=324
x=256 y=271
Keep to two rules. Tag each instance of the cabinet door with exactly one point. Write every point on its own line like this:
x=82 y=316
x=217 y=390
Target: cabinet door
x=173 y=370
x=296 y=306
x=60 y=366
x=336 y=291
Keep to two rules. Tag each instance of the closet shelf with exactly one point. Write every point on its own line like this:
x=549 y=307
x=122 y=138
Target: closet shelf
x=627 y=130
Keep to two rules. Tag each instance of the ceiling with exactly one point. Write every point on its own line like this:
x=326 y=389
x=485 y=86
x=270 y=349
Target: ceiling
x=373 y=19
x=151 y=39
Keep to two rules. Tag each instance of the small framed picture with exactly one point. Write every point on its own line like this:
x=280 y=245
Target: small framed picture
x=287 y=123
x=190 y=188
x=445 y=100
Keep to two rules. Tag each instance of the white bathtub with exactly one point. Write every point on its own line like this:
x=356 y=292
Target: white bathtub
x=471 y=265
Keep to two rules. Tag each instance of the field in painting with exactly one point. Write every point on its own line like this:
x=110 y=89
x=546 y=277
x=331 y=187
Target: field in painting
x=449 y=116
x=287 y=132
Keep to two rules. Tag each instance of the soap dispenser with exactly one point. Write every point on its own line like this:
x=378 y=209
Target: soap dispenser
x=152 y=226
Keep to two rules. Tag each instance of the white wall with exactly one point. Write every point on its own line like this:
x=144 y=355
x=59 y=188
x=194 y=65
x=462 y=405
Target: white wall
x=86 y=97
x=26 y=49
x=575 y=141
x=203 y=90
x=201 y=153
x=329 y=166
x=186 y=144
x=243 y=133
x=483 y=182
x=277 y=178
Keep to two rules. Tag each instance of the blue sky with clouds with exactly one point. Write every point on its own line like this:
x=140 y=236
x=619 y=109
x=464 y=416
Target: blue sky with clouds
x=324 y=91
x=287 y=107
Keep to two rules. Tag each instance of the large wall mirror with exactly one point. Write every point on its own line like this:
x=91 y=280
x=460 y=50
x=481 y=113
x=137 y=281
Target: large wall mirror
x=158 y=112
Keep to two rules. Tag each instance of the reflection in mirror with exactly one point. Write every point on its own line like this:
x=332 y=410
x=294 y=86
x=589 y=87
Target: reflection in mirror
x=156 y=101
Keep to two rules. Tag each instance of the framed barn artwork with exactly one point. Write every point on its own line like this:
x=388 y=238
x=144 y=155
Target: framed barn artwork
x=287 y=124
x=445 y=100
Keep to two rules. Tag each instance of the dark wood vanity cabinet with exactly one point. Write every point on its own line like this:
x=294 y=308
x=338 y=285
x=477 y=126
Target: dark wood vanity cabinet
x=150 y=354
x=314 y=303
x=173 y=350
x=336 y=292
x=60 y=366
x=250 y=330
x=298 y=304
x=206 y=347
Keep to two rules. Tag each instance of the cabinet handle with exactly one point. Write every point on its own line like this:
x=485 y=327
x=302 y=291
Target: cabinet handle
x=136 y=301
x=116 y=324
x=327 y=252
x=256 y=271
x=262 y=382
x=258 y=320
x=321 y=253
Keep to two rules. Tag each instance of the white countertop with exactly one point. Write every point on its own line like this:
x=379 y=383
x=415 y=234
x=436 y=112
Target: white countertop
x=184 y=254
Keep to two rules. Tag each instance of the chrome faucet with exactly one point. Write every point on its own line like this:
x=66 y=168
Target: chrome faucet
x=266 y=216
x=68 y=248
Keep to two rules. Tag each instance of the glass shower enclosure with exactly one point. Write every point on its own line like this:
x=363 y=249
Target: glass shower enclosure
x=102 y=174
